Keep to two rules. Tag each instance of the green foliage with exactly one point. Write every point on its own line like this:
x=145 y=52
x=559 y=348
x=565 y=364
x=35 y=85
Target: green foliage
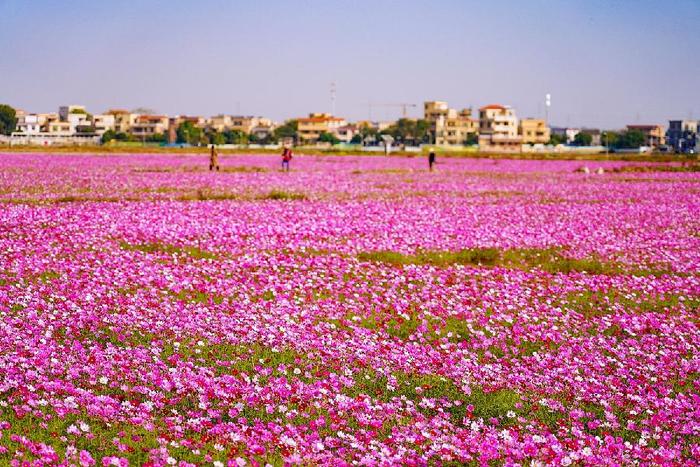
x=328 y=138
x=234 y=137
x=8 y=119
x=356 y=139
x=414 y=387
x=284 y=196
x=472 y=138
x=583 y=139
x=631 y=139
x=108 y=136
x=557 y=139
x=78 y=111
x=216 y=138
x=155 y=247
x=287 y=130
x=111 y=135
x=609 y=138
x=156 y=138
x=549 y=260
x=407 y=130
x=189 y=133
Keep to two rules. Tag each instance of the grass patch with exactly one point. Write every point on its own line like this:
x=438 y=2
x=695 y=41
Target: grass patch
x=414 y=387
x=280 y=195
x=202 y=195
x=550 y=260
x=593 y=304
x=156 y=247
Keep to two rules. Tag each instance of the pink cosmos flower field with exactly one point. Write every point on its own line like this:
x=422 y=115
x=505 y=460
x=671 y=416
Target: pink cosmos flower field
x=357 y=310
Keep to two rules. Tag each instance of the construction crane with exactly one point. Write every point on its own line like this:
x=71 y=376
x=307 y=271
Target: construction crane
x=403 y=105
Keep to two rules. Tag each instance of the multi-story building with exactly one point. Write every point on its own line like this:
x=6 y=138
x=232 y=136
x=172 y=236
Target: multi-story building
x=103 y=123
x=345 y=133
x=455 y=129
x=29 y=124
x=534 y=131
x=60 y=128
x=79 y=122
x=123 y=120
x=448 y=126
x=433 y=110
x=683 y=135
x=65 y=110
x=309 y=129
x=498 y=129
x=654 y=135
x=219 y=123
x=150 y=125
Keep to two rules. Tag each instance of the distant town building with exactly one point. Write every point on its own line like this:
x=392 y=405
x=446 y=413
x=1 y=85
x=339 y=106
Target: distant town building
x=345 y=133
x=534 y=131
x=65 y=110
x=448 y=126
x=569 y=134
x=29 y=124
x=123 y=120
x=654 y=135
x=433 y=110
x=146 y=126
x=683 y=135
x=498 y=129
x=310 y=129
x=103 y=123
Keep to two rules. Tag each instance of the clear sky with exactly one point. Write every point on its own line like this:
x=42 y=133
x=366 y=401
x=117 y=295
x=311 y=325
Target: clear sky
x=605 y=62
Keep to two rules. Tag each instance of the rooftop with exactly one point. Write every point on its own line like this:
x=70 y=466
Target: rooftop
x=494 y=107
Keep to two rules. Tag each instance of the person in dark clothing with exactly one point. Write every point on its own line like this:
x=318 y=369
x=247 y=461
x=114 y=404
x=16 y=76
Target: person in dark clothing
x=286 y=157
x=431 y=160
x=213 y=159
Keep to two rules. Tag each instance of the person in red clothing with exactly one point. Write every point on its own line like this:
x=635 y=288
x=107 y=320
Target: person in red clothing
x=286 y=157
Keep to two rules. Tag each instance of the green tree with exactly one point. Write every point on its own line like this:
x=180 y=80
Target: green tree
x=328 y=138
x=356 y=139
x=583 y=139
x=188 y=133
x=156 y=138
x=472 y=138
x=287 y=130
x=8 y=119
x=631 y=139
x=609 y=139
x=407 y=130
x=557 y=139
x=108 y=136
x=235 y=137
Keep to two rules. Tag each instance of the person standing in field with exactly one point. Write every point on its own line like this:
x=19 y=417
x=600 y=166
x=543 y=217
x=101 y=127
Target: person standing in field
x=213 y=159
x=431 y=160
x=286 y=157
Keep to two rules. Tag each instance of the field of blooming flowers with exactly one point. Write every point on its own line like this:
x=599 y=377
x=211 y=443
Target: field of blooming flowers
x=358 y=310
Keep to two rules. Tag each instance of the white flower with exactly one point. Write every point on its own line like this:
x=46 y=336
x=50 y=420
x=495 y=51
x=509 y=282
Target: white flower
x=103 y=380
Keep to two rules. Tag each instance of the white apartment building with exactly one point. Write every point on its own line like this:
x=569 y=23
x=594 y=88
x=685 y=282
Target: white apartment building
x=498 y=129
x=103 y=123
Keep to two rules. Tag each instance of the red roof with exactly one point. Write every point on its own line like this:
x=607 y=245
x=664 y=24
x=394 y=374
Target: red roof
x=493 y=107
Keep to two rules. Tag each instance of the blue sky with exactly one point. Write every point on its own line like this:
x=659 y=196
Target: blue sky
x=606 y=63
